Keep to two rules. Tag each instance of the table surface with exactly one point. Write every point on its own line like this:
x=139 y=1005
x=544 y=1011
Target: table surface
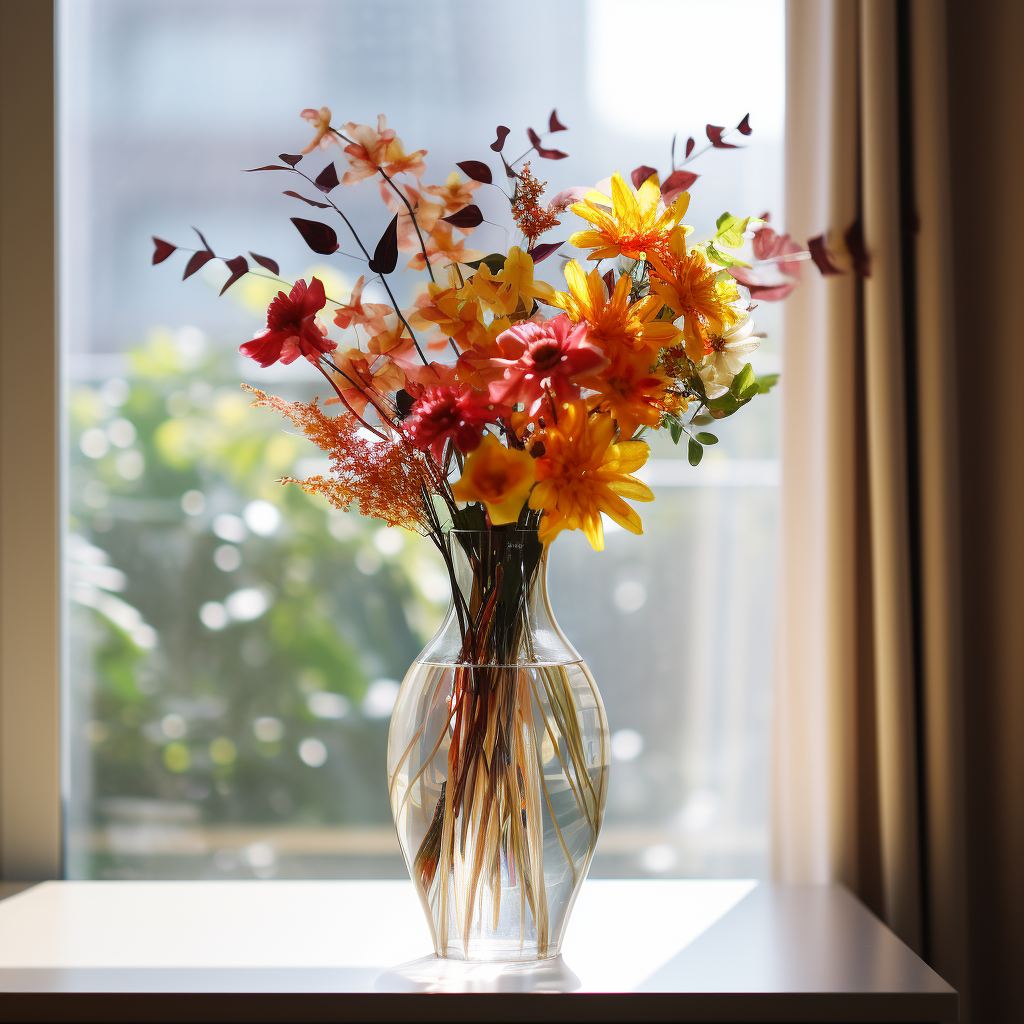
x=360 y=950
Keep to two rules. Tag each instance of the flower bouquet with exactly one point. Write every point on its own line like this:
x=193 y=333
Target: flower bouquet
x=491 y=415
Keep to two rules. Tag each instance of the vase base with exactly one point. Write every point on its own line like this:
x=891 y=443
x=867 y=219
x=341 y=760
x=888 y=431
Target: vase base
x=445 y=974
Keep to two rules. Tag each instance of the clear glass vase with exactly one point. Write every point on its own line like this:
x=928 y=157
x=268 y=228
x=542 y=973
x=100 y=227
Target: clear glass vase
x=498 y=759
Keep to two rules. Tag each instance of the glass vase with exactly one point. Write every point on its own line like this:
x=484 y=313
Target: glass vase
x=498 y=759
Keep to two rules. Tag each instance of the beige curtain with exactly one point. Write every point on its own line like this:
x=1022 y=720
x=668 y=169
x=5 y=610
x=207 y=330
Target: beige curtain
x=899 y=704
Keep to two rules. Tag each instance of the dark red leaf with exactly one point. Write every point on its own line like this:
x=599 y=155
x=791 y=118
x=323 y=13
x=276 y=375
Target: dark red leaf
x=162 y=251
x=499 y=142
x=467 y=217
x=543 y=251
x=199 y=260
x=239 y=267
x=554 y=125
x=206 y=244
x=327 y=178
x=609 y=280
x=744 y=125
x=822 y=257
x=288 y=159
x=689 y=147
x=641 y=174
x=509 y=173
x=267 y=263
x=547 y=154
x=715 y=137
x=854 y=239
x=319 y=237
x=675 y=184
x=312 y=202
x=266 y=167
x=385 y=256
x=477 y=170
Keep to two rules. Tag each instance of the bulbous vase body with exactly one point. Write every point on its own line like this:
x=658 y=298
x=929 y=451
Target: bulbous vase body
x=498 y=759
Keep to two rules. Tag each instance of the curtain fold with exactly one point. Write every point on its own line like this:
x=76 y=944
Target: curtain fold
x=869 y=751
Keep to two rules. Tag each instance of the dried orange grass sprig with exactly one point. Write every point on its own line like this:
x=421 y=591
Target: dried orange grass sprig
x=387 y=478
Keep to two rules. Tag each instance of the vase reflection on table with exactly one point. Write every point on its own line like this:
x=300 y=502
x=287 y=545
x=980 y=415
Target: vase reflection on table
x=498 y=760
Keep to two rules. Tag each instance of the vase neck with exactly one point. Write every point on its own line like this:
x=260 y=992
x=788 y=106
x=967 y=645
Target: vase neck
x=500 y=613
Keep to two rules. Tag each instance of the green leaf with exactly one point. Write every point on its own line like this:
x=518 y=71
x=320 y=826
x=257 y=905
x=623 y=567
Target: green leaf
x=730 y=230
x=742 y=381
x=766 y=383
x=694 y=452
x=702 y=420
x=675 y=428
x=705 y=438
x=722 y=260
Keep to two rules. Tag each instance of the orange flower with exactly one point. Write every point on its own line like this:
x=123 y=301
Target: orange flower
x=456 y=193
x=321 y=121
x=396 y=342
x=369 y=315
x=636 y=224
x=631 y=390
x=500 y=477
x=451 y=312
x=501 y=293
x=614 y=321
x=427 y=214
x=368 y=149
x=581 y=474
x=361 y=374
x=696 y=290
x=398 y=160
x=441 y=247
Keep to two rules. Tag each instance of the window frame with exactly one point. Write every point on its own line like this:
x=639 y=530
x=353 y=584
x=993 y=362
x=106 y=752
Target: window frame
x=30 y=640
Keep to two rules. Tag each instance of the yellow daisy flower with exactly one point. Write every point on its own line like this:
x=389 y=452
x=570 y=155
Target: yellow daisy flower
x=691 y=288
x=581 y=473
x=614 y=319
x=634 y=226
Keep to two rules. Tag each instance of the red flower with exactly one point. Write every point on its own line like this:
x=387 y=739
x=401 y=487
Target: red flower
x=443 y=412
x=292 y=330
x=542 y=358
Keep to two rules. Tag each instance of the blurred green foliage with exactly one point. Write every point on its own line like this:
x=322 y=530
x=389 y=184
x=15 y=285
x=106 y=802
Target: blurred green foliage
x=307 y=611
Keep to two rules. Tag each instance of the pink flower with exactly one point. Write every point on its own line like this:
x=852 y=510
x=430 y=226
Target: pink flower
x=542 y=359
x=292 y=330
x=447 y=412
x=321 y=121
x=778 y=271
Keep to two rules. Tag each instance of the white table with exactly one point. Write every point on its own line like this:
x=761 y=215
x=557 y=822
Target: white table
x=360 y=950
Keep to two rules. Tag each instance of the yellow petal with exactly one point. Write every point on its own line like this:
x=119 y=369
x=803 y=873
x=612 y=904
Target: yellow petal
x=630 y=487
x=649 y=194
x=592 y=527
x=621 y=513
x=635 y=453
x=625 y=204
x=587 y=239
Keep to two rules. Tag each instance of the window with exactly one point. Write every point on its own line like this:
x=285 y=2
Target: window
x=234 y=648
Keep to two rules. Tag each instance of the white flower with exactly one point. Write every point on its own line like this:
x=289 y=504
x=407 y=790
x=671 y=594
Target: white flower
x=731 y=353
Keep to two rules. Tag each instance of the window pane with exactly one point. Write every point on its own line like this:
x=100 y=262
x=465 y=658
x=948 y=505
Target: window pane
x=234 y=647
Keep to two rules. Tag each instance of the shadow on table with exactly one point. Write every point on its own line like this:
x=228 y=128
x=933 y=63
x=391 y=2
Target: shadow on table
x=433 y=974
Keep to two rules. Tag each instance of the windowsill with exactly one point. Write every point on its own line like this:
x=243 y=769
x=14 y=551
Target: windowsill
x=721 y=950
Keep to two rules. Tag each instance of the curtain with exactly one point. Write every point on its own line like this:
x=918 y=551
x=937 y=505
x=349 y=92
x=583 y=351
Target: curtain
x=899 y=712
